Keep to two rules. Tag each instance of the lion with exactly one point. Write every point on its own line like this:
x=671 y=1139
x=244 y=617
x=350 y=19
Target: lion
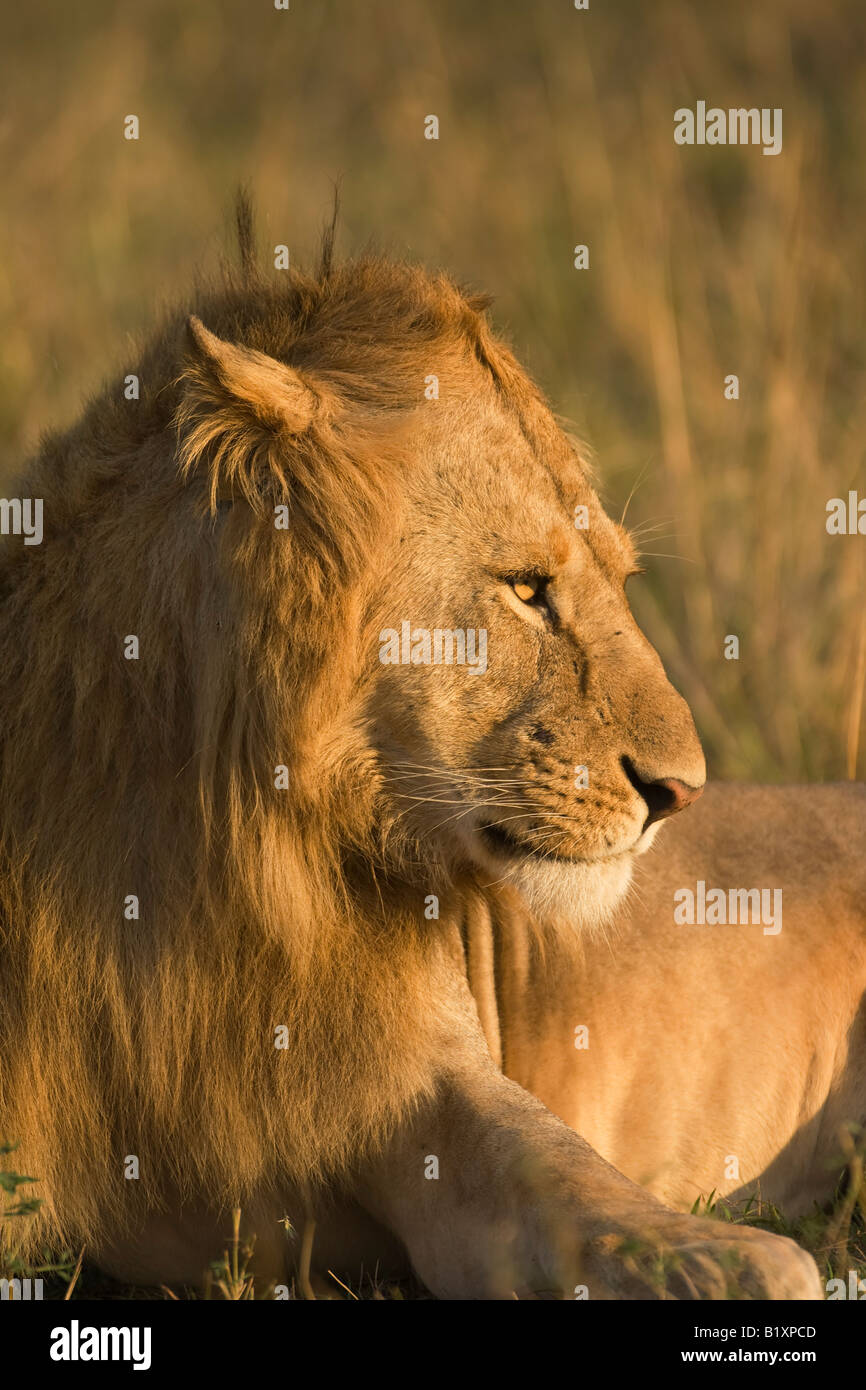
x=322 y=690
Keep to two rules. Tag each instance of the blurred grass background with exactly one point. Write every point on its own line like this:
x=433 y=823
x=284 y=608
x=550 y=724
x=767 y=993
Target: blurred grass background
x=556 y=128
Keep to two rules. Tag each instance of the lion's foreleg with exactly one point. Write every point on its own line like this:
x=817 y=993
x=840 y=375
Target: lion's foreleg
x=494 y=1197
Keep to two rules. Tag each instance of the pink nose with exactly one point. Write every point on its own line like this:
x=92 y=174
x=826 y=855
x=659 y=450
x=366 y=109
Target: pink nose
x=664 y=796
x=673 y=795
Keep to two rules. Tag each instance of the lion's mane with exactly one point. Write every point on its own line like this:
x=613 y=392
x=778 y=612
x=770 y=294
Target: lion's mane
x=155 y=777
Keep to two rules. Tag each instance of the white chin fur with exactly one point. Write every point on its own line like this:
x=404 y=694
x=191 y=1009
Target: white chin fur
x=585 y=894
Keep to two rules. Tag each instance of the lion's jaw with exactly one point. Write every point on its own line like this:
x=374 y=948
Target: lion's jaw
x=583 y=894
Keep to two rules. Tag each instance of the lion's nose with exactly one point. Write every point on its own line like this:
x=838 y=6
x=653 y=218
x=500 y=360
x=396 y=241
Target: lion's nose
x=664 y=796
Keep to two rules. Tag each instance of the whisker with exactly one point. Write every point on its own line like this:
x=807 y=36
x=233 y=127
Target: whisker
x=661 y=555
x=468 y=769
x=635 y=485
x=463 y=777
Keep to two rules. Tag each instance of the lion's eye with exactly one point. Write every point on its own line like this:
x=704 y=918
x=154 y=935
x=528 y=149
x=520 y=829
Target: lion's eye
x=531 y=589
x=525 y=591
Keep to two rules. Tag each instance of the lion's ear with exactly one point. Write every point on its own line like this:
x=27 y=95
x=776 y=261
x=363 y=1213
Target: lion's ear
x=236 y=403
x=277 y=394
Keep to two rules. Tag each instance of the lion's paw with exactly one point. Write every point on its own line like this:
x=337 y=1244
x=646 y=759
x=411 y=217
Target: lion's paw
x=703 y=1260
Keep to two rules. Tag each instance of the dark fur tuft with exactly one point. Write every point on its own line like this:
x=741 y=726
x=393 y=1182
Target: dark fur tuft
x=245 y=230
x=329 y=232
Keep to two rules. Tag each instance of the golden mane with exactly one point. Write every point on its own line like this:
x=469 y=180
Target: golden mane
x=154 y=777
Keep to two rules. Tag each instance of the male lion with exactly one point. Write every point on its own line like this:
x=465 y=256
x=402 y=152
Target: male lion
x=254 y=832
